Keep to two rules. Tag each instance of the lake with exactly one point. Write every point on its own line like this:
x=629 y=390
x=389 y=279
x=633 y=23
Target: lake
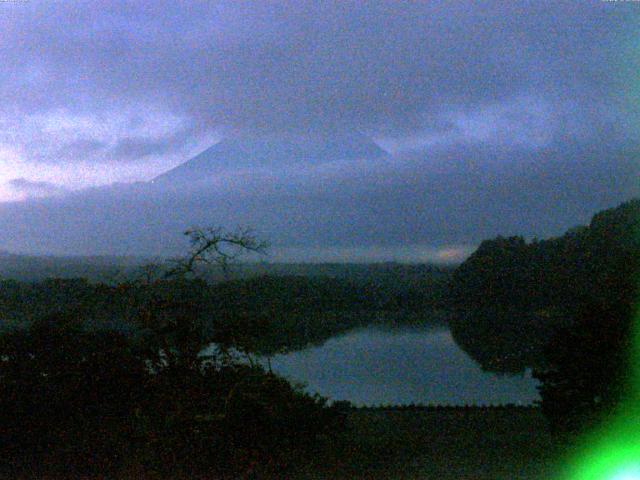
x=373 y=366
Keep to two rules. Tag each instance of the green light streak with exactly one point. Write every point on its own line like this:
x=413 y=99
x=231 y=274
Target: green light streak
x=612 y=451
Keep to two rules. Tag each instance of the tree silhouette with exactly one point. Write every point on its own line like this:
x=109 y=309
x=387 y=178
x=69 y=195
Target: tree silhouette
x=67 y=396
x=588 y=369
x=80 y=401
x=589 y=364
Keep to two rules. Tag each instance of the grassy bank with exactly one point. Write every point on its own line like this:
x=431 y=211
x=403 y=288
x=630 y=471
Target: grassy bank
x=458 y=444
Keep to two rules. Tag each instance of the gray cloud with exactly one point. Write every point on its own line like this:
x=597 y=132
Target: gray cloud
x=136 y=148
x=385 y=66
x=80 y=148
x=34 y=188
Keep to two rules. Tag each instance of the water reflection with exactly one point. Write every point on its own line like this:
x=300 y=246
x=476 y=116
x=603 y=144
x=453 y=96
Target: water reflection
x=373 y=366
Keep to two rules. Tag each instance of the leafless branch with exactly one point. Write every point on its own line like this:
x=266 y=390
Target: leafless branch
x=216 y=246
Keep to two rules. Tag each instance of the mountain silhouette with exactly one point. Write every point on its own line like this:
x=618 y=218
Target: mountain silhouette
x=271 y=152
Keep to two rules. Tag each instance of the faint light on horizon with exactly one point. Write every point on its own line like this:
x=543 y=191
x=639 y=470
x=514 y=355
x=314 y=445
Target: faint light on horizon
x=373 y=253
x=454 y=254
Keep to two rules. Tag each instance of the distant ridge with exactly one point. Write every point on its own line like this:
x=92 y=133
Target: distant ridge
x=273 y=151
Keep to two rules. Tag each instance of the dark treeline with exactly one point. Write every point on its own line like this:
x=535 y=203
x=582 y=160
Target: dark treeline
x=446 y=408
x=510 y=295
x=264 y=314
x=33 y=268
x=563 y=306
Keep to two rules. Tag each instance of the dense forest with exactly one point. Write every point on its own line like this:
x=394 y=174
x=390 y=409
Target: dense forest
x=563 y=306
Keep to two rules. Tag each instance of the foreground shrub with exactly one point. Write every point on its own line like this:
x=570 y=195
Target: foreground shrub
x=68 y=397
x=79 y=403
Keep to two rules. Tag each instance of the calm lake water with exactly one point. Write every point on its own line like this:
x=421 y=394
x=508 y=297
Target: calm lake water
x=374 y=366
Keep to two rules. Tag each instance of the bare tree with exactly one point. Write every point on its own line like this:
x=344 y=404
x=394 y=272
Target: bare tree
x=215 y=246
x=177 y=326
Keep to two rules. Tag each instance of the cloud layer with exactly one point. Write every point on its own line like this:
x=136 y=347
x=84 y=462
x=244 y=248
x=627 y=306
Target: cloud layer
x=155 y=69
x=502 y=116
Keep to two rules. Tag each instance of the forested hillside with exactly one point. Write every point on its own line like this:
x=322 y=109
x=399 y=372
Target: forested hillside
x=511 y=295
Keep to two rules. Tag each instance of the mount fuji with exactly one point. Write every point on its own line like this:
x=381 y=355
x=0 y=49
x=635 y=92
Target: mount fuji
x=272 y=153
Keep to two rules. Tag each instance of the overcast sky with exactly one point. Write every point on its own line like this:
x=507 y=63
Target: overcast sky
x=501 y=117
